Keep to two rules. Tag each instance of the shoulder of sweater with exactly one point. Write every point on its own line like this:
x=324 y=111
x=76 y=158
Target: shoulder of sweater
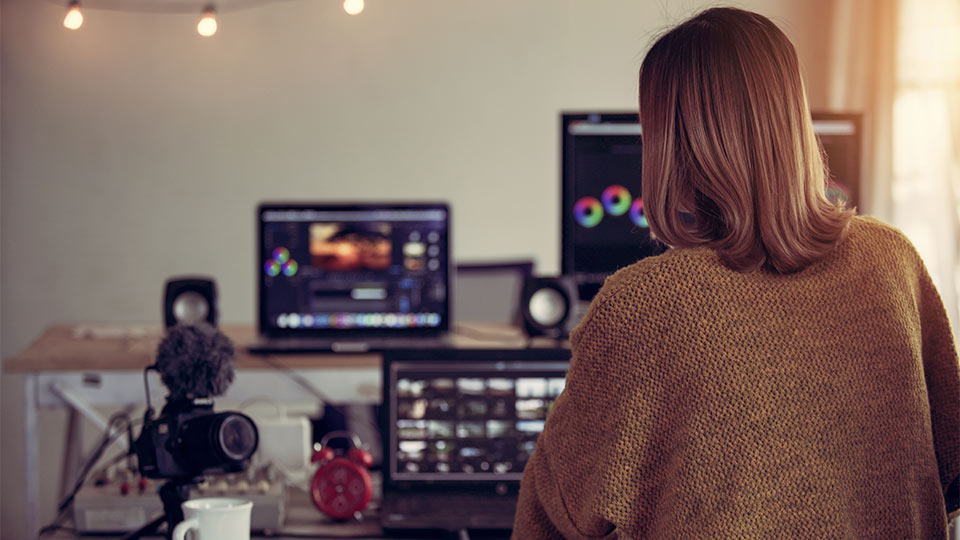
x=628 y=290
x=651 y=275
x=876 y=230
x=877 y=238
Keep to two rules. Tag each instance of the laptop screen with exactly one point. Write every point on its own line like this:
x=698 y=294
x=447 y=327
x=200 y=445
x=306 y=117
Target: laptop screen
x=354 y=269
x=468 y=420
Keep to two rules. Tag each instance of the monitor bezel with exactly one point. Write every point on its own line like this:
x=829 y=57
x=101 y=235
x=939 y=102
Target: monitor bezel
x=271 y=331
x=856 y=199
x=533 y=357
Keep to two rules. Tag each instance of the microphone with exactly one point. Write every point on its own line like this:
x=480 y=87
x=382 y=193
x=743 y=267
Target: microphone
x=195 y=361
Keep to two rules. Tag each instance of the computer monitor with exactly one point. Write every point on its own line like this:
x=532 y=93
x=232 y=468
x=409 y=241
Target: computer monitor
x=469 y=415
x=841 y=139
x=603 y=224
x=353 y=270
x=604 y=227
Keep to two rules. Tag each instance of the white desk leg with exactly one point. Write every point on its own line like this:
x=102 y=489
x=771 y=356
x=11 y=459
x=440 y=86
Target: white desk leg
x=30 y=456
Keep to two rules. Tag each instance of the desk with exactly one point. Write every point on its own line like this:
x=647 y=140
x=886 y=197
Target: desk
x=304 y=521
x=71 y=365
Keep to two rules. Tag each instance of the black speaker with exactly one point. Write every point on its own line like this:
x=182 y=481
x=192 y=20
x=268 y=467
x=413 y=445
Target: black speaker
x=547 y=305
x=190 y=300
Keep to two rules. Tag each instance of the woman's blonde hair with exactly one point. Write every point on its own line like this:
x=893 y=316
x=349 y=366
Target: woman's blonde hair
x=730 y=160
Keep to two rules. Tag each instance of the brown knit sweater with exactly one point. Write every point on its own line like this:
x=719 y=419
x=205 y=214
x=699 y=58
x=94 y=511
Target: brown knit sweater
x=706 y=403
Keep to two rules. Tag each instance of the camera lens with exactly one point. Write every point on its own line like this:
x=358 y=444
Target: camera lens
x=237 y=436
x=210 y=443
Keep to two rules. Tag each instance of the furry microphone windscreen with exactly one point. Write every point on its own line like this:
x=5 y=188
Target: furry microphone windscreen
x=195 y=361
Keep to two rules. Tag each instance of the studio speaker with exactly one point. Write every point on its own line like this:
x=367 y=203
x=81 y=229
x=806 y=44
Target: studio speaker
x=548 y=305
x=190 y=300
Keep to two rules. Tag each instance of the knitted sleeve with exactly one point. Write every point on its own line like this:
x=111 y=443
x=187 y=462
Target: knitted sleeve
x=564 y=480
x=942 y=374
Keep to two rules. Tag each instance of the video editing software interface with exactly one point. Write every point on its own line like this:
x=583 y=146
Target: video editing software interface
x=604 y=226
x=356 y=269
x=470 y=421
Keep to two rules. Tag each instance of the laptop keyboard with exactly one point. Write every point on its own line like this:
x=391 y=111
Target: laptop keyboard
x=307 y=345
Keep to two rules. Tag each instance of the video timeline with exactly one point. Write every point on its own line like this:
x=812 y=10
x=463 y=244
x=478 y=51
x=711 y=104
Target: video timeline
x=470 y=425
x=358 y=320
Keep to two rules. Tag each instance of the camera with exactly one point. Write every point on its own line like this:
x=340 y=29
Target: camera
x=189 y=440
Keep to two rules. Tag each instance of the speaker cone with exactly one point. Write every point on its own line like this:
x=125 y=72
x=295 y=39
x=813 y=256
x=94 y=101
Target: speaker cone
x=190 y=300
x=546 y=305
x=190 y=308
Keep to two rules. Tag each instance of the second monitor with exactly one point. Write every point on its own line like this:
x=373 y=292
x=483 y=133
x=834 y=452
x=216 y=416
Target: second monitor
x=603 y=221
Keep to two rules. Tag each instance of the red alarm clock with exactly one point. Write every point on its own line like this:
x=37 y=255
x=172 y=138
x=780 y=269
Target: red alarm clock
x=341 y=487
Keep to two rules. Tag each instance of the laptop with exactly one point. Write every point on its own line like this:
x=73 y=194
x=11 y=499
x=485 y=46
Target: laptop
x=458 y=427
x=353 y=277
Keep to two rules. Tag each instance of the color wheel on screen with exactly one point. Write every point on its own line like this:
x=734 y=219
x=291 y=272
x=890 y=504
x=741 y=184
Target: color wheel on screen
x=636 y=213
x=281 y=255
x=281 y=263
x=616 y=200
x=588 y=211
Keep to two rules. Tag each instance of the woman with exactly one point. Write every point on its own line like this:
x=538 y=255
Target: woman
x=785 y=370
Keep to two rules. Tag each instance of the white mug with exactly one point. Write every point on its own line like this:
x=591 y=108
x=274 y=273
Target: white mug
x=215 y=518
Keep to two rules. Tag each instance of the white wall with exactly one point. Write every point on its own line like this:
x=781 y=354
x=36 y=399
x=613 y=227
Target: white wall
x=132 y=150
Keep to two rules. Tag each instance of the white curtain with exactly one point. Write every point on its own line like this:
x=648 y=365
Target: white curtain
x=898 y=62
x=926 y=138
x=861 y=79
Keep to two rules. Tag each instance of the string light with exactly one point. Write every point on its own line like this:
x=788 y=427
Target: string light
x=208 y=24
x=74 y=18
x=353 y=7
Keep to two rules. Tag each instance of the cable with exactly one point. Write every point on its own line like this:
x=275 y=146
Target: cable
x=109 y=435
x=309 y=387
x=296 y=377
x=106 y=441
x=112 y=461
x=146 y=388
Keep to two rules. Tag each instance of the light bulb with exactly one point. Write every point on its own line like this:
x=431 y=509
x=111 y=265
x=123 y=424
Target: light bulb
x=208 y=24
x=353 y=7
x=74 y=18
